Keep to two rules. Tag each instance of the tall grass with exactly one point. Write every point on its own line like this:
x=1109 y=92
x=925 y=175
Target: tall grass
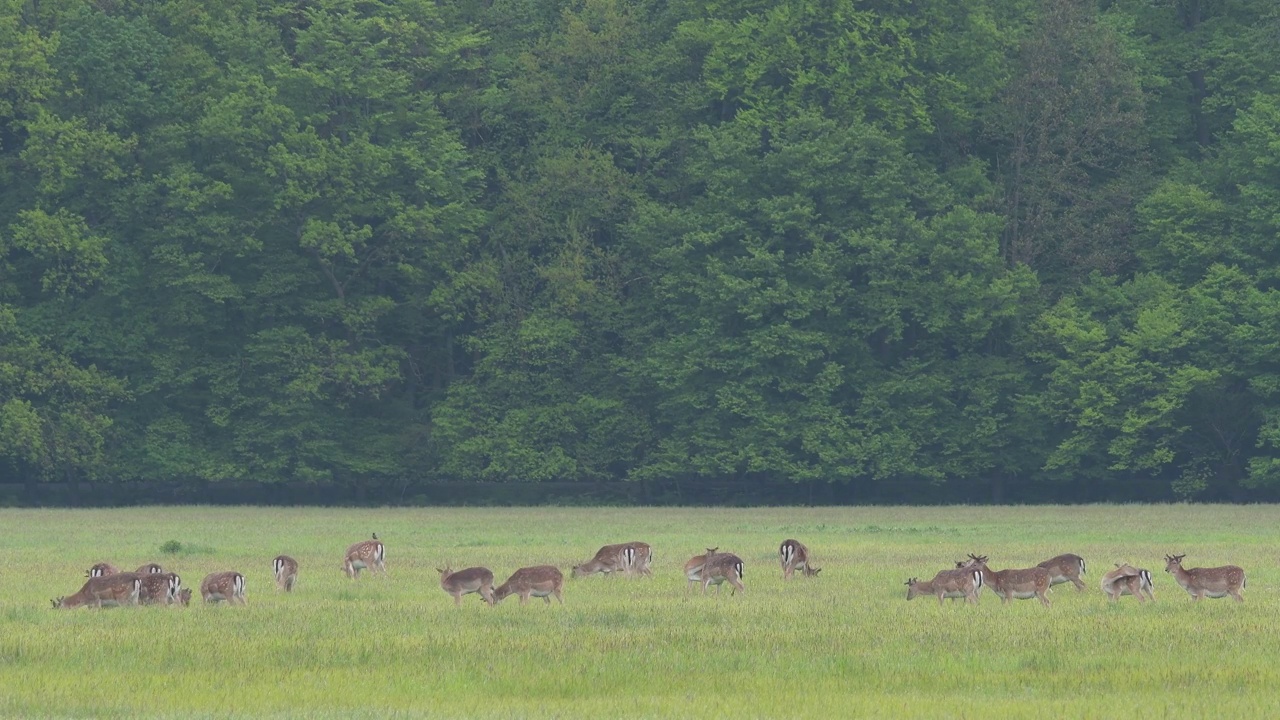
x=844 y=644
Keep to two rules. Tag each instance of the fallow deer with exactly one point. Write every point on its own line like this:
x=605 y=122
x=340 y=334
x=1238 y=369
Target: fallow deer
x=285 y=569
x=1207 y=582
x=795 y=556
x=367 y=554
x=1013 y=584
x=159 y=588
x=636 y=557
x=607 y=560
x=538 y=581
x=721 y=567
x=464 y=582
x=104 y=591
x=948 y=584
x=149 y=569
x=223 y=586
x=101 y=569
x=1065 y=568
x=693 y=568
x=1128 y=580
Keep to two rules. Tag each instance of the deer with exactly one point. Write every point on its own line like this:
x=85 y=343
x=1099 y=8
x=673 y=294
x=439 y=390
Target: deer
x=1128 y=580
x=1065 y=568
x=1207 y=582
x=159 y=588
x=636 y=557
x=104 y=591
x=795 y=556
x=464 y=582
x=285 y=569
x=149 y=569
x=948 y=584
x=721 y=567
x=1013 y=584
x=367 y=554
x=184 y=596
x=223 y=586
x=693 y=568
x=538 y=581
x=101 y=569
x=607 y=560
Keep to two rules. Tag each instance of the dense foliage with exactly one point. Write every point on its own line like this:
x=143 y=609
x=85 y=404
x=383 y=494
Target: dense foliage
x=843 y=241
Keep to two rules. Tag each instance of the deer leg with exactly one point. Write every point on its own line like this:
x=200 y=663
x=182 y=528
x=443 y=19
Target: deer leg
x=1079 y=584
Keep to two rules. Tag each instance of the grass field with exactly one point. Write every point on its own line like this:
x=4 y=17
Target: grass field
x=845 y=644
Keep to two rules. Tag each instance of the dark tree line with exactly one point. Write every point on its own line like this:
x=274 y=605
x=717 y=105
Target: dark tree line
x=721 y=242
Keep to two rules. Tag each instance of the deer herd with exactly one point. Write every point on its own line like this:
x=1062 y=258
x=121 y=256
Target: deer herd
x=968 y=577
x=151 y=584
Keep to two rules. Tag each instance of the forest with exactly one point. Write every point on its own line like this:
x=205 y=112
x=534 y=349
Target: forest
x=1013 y=244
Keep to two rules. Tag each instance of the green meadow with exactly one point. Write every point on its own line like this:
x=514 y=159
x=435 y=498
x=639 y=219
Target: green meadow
x=844 y=644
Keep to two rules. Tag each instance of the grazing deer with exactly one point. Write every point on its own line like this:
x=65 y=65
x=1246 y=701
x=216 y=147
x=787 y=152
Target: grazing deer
x=1065 y=568
x=1013 y=584
x=228 y=586
x=693 y=568
x=102 y=569
x=948 y=584
x=721 y=567
x=1207 y=582
x=286 y=572
x=104 y=591
x=159 y=588
x=608 y=559
x=795 y=556
x=636 y=557
x=368 y=554
x=464 y=582
x=538 y=581
x=629 y=558
x=1128 y=580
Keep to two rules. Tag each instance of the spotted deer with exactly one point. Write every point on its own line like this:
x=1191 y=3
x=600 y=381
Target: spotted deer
x=948 y=584
x=693 y=568
x=101 y=569
x=1207 y=582
x=159 y=589
x=636 y=557
x=1065 y=568
x=608 y=560
x=795 y=556
x=223 y=586
x=369 y=554
x=1128 y=580
x=721 y=567
x=285 y=569
x=464 y=582
x=1013 y=584
x=538 y=581
x=104 y=591
x=149 y=569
